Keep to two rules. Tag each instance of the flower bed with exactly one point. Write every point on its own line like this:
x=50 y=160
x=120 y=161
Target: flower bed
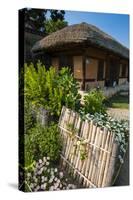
x=45 y=176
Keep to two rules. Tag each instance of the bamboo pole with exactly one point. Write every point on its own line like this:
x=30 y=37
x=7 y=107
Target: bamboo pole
x=104 y=135
x=104 y=156
x=90 y=138
x=87 y=127
x=113 y=159
x=62 y=115
x=65 y=126
x=96 y=149
x=92 y=151
x=99 y=155
x=83 y=147
x=71 y=155
x=110 y=143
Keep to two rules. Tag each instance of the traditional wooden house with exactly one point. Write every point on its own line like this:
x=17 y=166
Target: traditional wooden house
x=94 y=57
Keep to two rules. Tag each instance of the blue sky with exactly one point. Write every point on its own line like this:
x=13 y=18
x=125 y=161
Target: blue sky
x=116 y=25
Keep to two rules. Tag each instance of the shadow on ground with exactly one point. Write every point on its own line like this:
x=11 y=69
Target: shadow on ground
x=13 y=185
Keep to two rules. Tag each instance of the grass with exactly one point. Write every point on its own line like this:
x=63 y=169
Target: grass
x=118 y=101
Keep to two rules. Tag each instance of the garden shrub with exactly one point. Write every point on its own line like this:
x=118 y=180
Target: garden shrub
x=94 y=102
x=29 y=118
x=35 y=88
x=50 y=89
x=42 y=141
x=65 y=92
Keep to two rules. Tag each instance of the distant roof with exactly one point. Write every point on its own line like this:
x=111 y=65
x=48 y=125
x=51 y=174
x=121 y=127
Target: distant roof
x=80 y=34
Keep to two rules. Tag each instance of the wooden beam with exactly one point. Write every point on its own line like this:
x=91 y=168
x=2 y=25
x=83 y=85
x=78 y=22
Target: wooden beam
x=83 y=66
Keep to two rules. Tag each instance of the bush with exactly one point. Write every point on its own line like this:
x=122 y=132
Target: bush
x=65 y=92
x=42 y=141
x=51 y=90
x=29 y=118
x=45 y=176
x=93 y=102
x=35 y=88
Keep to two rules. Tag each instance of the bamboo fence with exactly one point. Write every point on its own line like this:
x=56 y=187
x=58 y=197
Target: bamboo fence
x=89 y=152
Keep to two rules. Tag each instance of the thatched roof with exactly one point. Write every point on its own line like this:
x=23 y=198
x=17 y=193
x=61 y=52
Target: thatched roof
x=80 y=34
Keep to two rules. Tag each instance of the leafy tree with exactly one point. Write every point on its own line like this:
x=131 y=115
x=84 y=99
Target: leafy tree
x=52 y=26
x=36 y=18
x=57 y=14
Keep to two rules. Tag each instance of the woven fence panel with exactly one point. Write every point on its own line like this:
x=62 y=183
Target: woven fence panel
x=89 y=152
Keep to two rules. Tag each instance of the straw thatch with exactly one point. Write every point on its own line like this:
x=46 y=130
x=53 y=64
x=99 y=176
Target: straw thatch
x=80 y=35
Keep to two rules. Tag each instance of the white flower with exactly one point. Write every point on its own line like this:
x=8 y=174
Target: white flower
x=40 y=161
x=44 y=185
x=48 y=170
x=50 y=180
x=45 y=179
x=35 y=180
x=52 y=173
x=48 y=158
x=38 y=187
x=61 y=174
x=32 y=185
x=52 y=177
x=47 y=163
x=51 y=188
x=73 y=186
x=35 y=190
x=29 y=174
x=39 y=172
x=44 y=159
x=56 y=170
x=56 y=185
x=42 y=178
x=78 y=143
x=56 y=179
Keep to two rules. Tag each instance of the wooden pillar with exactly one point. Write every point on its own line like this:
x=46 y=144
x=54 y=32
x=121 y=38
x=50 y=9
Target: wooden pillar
x=107 y=70
x=83 y=70
x=128 y=71
x=118 y=70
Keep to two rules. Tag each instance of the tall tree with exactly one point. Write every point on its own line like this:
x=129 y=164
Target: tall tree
x=57 y=14
x=35 y=18
x=52 y=26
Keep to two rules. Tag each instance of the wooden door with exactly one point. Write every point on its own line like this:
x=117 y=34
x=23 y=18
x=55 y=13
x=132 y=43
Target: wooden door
x=112 y=72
